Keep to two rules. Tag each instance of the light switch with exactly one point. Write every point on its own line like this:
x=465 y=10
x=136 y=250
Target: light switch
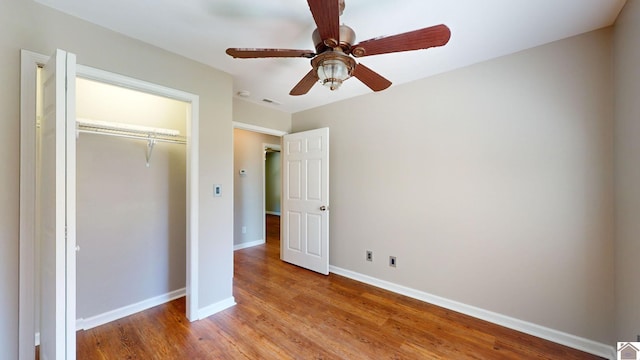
x=217 y=190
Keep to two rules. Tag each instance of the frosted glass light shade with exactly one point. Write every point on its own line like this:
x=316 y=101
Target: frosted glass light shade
x=332 y=72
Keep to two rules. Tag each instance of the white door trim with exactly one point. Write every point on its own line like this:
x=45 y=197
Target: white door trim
x=258 y=129
x=29 y=62
x=26 y=313
x=70 y=205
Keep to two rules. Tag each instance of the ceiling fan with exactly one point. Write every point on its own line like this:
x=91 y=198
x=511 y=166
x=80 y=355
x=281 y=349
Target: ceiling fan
x=333 y=60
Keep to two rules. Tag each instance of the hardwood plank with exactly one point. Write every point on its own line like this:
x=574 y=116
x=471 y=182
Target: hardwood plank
x=285 y=312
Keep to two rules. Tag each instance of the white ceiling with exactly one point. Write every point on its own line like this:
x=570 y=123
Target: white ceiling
x=203 y=29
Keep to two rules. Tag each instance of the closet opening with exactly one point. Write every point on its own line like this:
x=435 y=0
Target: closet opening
x=131 y=207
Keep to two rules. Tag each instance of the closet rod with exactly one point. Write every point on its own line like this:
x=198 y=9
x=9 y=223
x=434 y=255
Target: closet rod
x=149 y=134
x=132 y=136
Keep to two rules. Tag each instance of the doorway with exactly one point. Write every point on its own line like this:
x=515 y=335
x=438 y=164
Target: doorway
x=256 y=194
x=272 y=176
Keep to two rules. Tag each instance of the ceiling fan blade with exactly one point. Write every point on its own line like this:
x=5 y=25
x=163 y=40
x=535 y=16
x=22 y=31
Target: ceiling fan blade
x=326 y=14
x=371 y=78
x=305 y=84
x=248 y=53
x=413 y=40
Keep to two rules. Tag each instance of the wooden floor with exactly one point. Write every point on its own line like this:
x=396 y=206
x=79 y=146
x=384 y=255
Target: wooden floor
x=285 y=312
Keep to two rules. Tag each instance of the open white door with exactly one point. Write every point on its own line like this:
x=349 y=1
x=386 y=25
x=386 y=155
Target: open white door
x=305 y=200
x=57 y=209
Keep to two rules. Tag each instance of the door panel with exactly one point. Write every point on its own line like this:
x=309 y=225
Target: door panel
x=314 y=180
x=57 y=322
x=305 y=202
x=314 y=235
x=294 y=180
x=293 y=231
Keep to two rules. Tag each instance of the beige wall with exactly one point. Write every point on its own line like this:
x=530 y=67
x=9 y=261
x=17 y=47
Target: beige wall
x=492 y=185
x=100 y=101
x=265 y=116
x=627 y=150
x=248 y=208
x=131 y=223
x=26 y=25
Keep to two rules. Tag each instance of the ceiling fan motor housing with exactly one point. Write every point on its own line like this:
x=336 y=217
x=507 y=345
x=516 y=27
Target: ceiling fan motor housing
x=347 y=38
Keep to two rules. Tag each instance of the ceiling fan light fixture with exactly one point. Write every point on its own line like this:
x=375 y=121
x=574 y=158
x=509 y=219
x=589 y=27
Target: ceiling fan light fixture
x=333 y=68
x=332 y=73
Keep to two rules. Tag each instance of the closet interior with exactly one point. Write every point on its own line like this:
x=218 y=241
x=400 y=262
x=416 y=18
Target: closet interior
x=130 y=200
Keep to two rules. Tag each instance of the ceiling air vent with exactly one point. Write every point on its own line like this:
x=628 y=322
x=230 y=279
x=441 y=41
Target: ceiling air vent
x=271 y=101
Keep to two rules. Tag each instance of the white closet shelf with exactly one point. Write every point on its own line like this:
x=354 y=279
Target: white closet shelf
x=150 y=134
x=129 y=130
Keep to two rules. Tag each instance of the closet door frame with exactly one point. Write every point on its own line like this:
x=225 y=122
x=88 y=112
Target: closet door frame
x=90 y=73
x=30 y=61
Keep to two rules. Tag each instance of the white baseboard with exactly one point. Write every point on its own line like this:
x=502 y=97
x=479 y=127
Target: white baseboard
x=277 y=213
x=86 y=324
x=247 y=244
x=216 y=308
x=556 y=336
x=101 y=319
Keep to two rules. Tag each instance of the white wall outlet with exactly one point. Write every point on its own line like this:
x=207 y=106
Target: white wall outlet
x=392 y=261
x=244 y=229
